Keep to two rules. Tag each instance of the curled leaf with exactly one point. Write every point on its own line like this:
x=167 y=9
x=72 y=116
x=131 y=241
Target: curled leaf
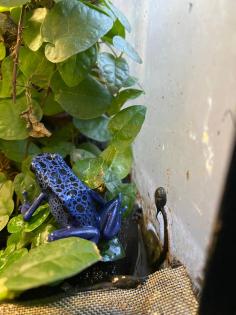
x=36 y=128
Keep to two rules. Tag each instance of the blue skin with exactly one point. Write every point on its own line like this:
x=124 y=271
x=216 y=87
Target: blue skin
x=78 y=210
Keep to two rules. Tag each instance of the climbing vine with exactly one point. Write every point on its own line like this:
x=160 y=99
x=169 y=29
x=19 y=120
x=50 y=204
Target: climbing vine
x=64 y=81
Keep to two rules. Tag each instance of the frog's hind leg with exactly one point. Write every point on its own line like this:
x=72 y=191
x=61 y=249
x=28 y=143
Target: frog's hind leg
x=110 y=218
x=89 y=233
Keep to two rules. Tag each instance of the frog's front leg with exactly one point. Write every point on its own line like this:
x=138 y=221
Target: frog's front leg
x=37 y=202
x=110 y=218
x=25 y=205
x=89 y=233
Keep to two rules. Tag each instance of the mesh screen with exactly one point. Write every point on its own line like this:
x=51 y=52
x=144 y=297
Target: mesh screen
x=166 y=292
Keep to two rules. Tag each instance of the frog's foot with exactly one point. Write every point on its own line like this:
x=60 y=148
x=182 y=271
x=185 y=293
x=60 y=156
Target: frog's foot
x=89 y=233
x=110 y=218
x=24 y=207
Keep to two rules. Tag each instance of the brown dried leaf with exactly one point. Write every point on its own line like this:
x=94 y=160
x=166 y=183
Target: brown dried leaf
x=36 y=128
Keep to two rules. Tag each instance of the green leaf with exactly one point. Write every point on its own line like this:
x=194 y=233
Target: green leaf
x=12 y=3
x=39 y=70
x=122 y=45
x=80 y=154
x=61 y=147
x=91 y=147
x=90 y=171
x=17 y=223
x=26 y=182
x=120 y=16
x=32 y=35
x=16 y=150
x=121 y=98
x=49 y=263
x=6 y=261
x=51 y=107
x=6 y=202
x=12 y=126
x=63 y=133
x=115 y=71
x=3 y=221
x=125 y=125
x=119 y=165
x=131 y=81
x=111 y=250
x=113 y=164
x=38 y=218
x=95 y=129
x=41 y=234
x=19 y=240
x=89 y=99
x=128 y=191
x=15 y=13
x=71 y=27
x=2 y=51
x=77 y=67
x=6 y=79
x=117 y=29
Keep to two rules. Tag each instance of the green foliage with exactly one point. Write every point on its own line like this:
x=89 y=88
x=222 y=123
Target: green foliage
x=115 y=71
x=89 y=99
x=77 y=67
x=12 y=3
x=69 y=97
x=6 y=202
x=121 y=44
x=111 y=250
x=2 y=51
x=48 y=263
x=72 y=27
x=95 y=129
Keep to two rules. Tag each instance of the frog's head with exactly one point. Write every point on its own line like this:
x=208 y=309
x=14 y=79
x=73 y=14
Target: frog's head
x=43 y=164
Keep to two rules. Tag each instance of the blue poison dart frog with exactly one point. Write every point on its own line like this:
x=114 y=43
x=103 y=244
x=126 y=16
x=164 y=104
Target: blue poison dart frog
x=78 y=210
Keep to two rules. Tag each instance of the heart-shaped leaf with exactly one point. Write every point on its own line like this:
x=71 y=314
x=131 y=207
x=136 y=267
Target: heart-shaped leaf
x=71 y=27
x=121 y=44
x=115 y=71
x=32 y=34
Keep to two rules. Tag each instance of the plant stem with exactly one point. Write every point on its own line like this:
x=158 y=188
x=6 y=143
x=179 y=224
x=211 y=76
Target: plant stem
x=16 y=52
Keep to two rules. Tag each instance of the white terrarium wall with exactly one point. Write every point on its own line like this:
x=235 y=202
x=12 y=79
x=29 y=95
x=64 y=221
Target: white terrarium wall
x=189 y=77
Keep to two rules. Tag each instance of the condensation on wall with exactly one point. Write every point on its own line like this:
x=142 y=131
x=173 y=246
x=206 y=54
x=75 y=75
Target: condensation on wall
x=189 y=76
